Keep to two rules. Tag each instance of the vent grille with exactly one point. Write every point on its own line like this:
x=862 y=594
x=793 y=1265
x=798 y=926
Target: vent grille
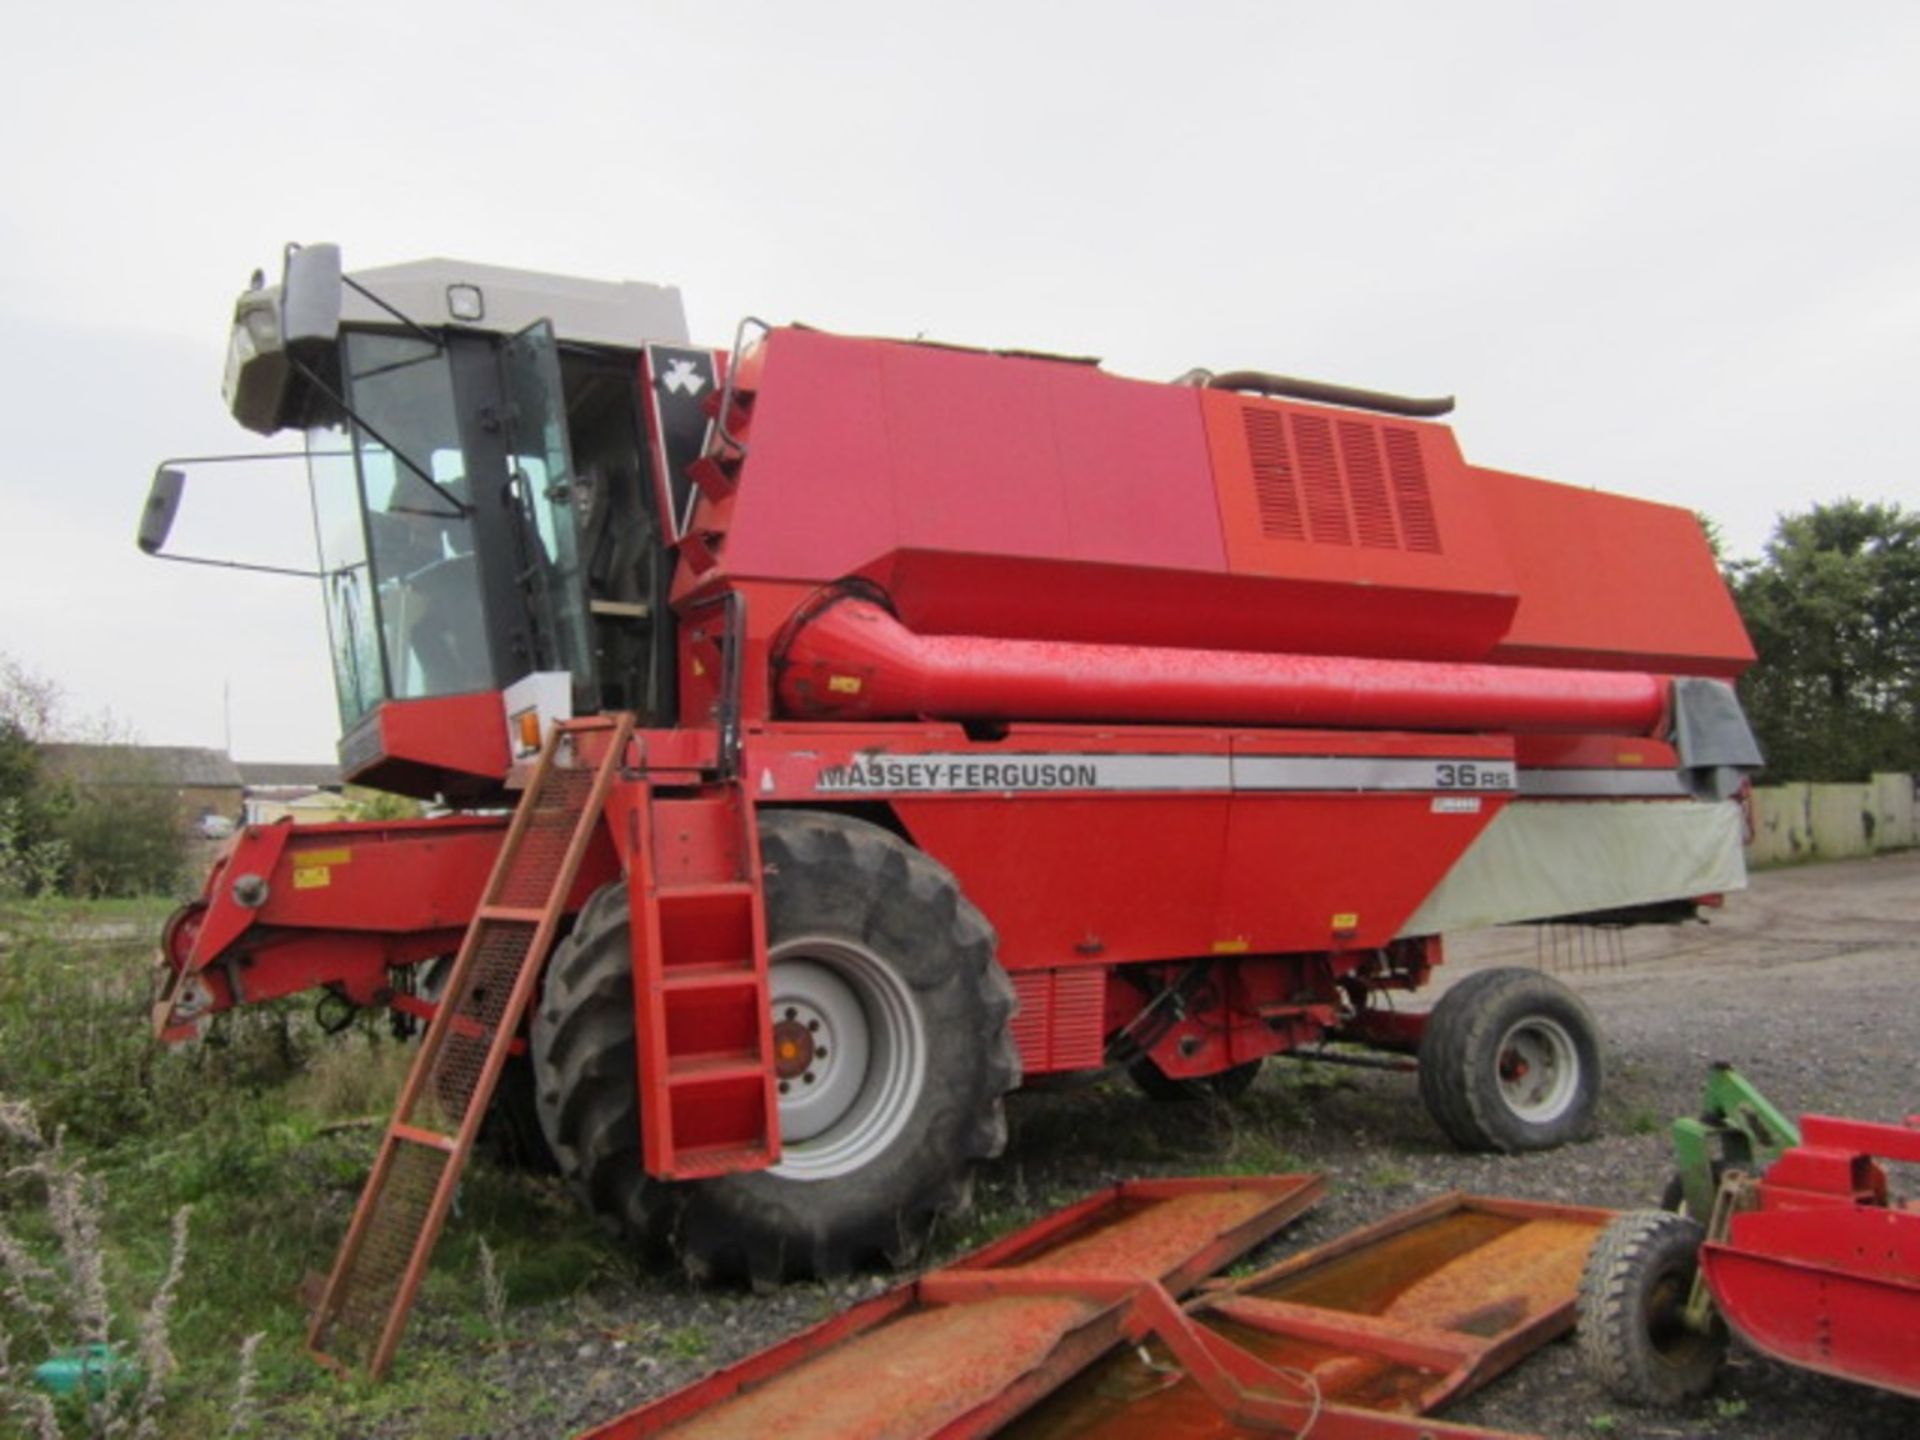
x=1326 y=495
x=1367 y=485
x=1273 y=484
x=1061 y=1020
x=1339 y=483
x=1410 y=491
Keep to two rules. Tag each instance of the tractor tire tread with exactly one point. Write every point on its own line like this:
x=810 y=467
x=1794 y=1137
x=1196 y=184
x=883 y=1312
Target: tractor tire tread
x=1635 y=1253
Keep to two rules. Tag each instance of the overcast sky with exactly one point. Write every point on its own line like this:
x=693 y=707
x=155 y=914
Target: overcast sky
x=1671 y=250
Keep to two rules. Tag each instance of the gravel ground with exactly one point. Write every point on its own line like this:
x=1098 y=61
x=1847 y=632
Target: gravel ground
x=1804 y=982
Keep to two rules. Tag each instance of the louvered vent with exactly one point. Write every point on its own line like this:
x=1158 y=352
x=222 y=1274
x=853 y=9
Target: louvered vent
x=1320 y=472
x=1410 y=493
x=1273 y=484
x=1367 y=485
x=1337 y=482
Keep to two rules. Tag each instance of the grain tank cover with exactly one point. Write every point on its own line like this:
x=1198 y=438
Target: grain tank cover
x=1023 y=498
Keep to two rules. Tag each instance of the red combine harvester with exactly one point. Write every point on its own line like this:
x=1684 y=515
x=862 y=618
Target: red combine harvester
x=867 y=726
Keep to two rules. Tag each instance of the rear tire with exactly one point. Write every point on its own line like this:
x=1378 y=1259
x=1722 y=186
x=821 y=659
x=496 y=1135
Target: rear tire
x=872 y=941
x=1509 y=1061
x=1633 y=1293
x=1225 y=1085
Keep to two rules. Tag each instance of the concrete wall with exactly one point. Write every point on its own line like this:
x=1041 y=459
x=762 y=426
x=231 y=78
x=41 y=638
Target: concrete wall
x=1831 y=822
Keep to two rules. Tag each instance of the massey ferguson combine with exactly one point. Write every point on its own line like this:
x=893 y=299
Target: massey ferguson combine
x=837 y=732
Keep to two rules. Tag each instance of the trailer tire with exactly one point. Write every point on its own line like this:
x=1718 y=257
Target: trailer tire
x=1510 y=1060
x=874 y=938
x=1225 y=1086
x=1633 y=1292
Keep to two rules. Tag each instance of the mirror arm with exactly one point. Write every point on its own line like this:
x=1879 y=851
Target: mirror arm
x=240 y=565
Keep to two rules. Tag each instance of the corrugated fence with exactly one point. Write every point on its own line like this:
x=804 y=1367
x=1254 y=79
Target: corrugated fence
x=1831 y=822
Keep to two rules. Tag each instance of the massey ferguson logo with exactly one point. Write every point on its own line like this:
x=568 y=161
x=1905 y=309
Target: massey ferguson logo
x=682 y=377
x=943 y=774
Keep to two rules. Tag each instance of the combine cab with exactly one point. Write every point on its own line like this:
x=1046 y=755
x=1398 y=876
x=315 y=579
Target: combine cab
x=992 y=717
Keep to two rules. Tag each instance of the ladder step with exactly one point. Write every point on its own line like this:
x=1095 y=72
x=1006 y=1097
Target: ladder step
x=710 y=1069
x=512 y=914
x=432 y=1138
x=711 y=890
x=697 y=1162
x=717 y=976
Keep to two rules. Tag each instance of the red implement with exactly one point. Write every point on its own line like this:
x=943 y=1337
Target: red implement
x=1825 y=1274
x=1070 y=1327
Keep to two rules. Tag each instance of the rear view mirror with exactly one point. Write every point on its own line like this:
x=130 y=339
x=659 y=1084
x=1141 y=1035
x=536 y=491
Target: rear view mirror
x=310 y=296
x=163 y=503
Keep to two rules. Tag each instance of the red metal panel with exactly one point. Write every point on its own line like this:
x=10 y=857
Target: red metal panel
x=423 y=747
x=1611 y=583
x=1088 y=881
x=1338 y=872
x=1387 y=513
x=864 y=447
x=1074 y=877
x=1834 y=1289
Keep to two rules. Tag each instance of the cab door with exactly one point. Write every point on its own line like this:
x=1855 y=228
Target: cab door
x=542 y=487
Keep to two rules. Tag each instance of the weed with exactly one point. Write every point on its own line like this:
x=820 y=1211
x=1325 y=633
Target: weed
x=65 y=1298
x=1727 y=1408
x=1645 y=1121
x=493 y=1290
x=689 y=1342
x=1387 y=1176
x=241 y=1416
x=1602 y=1424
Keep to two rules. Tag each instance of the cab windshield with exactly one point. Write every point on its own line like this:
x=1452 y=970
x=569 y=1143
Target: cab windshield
x=403 y=595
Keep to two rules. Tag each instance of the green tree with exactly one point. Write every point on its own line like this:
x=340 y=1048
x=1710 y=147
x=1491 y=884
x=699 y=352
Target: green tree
x=32 y=857
x=1833 y=606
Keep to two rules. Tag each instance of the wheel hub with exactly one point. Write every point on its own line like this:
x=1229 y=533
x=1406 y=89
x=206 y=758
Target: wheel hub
x=848 y=1053
x=1539 y=1069
x=793 y=1046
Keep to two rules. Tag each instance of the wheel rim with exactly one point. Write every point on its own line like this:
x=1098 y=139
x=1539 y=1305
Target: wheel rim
x=1538 y=1069
x=841 y=1108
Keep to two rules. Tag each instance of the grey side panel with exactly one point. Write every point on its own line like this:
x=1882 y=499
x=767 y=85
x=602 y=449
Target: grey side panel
x=1710 y=729
x=623 y=313
x=1537 y=860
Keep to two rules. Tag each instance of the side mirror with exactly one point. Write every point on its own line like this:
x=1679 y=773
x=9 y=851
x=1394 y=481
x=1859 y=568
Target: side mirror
x=310 y=296
x=163 y=503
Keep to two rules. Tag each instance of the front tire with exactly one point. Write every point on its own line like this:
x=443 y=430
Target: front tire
x=1510 y=1061
x=1633 y=1294
x=880 y=965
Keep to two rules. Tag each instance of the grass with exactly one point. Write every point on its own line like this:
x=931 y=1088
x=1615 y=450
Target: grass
x=242 y=1128
x=246 y=1128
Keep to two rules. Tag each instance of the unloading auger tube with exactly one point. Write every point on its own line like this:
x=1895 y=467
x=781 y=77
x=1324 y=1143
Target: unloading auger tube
x=849 y=659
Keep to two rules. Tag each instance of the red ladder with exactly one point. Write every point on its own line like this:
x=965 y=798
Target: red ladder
x=384 y=1256
x=709 y=1101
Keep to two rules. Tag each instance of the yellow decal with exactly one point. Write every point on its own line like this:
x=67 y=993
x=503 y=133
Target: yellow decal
x=844 y=684
x=1239 y=945
x=312 y=877
x=1630 y=757
x=1346 y=920
x=698 y=668
x=323 y=857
